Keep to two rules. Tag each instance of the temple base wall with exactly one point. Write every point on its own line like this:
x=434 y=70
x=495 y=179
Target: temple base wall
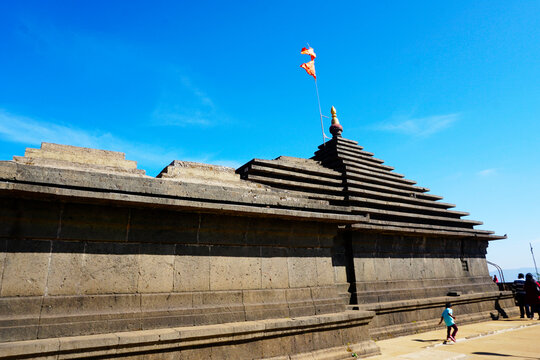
x=329 y=336
x=75 y=268
x=103 y=279
x=407 y=281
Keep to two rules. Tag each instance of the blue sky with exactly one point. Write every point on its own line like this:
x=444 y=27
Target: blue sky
x=446 y=92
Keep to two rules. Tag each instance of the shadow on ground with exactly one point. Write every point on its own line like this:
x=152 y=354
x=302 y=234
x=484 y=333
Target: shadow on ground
x=502 y=355
x=428 y=340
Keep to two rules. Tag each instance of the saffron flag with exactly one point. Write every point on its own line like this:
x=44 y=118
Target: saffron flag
x=310 y=68
x=309 y=52
x=310 y=65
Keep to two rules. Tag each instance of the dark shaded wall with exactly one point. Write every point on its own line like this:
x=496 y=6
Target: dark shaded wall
x=407 y=280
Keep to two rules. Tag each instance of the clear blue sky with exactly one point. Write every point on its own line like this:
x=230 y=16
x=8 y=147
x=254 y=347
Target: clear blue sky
x=446 y=92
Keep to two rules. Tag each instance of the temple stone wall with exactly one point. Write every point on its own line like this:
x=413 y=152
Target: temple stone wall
x=407 y=280
x=396 y=267
x=285 y=258
x=74 y=268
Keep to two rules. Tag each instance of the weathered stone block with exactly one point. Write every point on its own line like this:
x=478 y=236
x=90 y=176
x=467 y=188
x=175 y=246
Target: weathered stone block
x=234 y=351
x=302 y=268
x=3 y=248
x=156 y=268
x=163 y=226
x=300 y=302
x=275 y=346
x=274 y=268
x=66 y=268
x=268 y=232
x=21 y=218
x=235 y=268
x=305 y=234
x=192 y=268
x=94 y=223
x=221 y=297
x=166 y=302
x=303 y=342
x=325 y=271
x=25 y=267
x=327 y=339
x=104 y=259
x=216 y=229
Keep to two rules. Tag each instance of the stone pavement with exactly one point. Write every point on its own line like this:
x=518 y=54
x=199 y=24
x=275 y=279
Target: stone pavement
x=513 y=339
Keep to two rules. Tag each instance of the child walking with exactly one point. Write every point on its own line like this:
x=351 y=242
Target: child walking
x=449 y=320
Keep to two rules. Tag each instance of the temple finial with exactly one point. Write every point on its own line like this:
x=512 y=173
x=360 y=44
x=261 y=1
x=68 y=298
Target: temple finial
x=335 y=129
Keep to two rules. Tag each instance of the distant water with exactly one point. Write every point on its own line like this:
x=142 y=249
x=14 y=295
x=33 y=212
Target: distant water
x=512 y=274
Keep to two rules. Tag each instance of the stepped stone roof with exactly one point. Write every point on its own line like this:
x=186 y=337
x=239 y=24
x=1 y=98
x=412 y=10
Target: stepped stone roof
x=342 y=183
x=344 y=174
x=99 y=176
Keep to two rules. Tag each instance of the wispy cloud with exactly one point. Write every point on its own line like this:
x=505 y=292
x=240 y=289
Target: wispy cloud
x=180 y=100
x=487 y=172
x=172 y=116
x=32 y=132
x=421 y=127
x=184 y=104
x=21 y=129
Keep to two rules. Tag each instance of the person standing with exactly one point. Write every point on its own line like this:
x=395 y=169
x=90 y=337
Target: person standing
x=532 y=294
x=449 y=320
x=519 y=295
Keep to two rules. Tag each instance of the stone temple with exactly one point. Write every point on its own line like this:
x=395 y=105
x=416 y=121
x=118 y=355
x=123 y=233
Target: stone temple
x=279 y=259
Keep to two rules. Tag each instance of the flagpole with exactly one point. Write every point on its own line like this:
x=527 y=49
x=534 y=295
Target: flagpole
x=320 y=113
x=310 y=69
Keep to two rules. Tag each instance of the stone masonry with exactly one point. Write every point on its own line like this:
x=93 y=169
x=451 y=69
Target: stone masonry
x=284 y=259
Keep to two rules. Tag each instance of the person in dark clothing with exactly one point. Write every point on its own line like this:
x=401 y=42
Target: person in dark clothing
x=519 y=295
x=532 y=294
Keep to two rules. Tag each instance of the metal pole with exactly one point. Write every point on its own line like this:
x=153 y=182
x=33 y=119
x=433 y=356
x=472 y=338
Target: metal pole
x=499 y=269
x=324 y=137
x=534 y=260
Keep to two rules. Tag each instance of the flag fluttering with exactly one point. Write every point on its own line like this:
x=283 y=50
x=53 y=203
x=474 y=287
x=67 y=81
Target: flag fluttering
x=309 y=52
x=310 y=65
x=310 y=68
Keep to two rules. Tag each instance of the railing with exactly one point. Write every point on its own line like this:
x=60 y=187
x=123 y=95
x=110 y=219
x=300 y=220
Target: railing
x=499 y=269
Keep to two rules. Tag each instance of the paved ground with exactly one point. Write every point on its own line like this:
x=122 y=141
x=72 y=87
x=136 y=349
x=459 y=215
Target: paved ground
x=510 y=339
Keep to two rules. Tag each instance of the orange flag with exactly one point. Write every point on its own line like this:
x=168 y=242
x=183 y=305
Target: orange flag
x=310 y=65
x=310 y=68
x=309 y=51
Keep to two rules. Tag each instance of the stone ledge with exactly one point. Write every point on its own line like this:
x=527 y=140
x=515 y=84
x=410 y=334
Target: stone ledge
x=392 y=306
x=362 y=349
x=90 y=196
x=167 y=192
x=74 y=157
x=424 y=325
x=124 y=343
x=57 y=316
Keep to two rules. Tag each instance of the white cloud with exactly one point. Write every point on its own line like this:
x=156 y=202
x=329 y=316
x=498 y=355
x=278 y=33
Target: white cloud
x=421 y=127
x=21 y=129
x=487 y=172
x=164 y=115
x=182 y=104
x=31 y=132
x=199 y=94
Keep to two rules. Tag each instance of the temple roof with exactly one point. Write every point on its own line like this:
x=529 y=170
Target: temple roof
x=342 y=184
x=344 y=174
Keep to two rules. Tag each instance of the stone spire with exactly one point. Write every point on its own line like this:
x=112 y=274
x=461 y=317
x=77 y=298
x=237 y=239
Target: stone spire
x=335 y=129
